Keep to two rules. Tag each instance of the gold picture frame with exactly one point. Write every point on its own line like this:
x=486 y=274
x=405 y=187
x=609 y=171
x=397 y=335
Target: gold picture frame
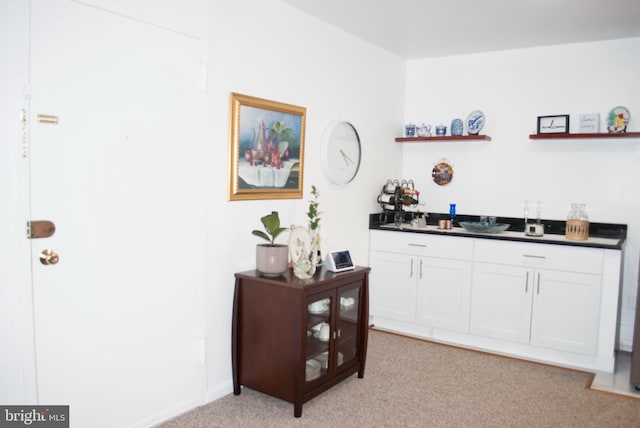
x=266 y=154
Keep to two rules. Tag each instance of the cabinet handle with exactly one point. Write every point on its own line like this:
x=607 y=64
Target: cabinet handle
x=526 y=283
x=420 y=269
x=411 y=269
x=417 y=245
x=532 y=256
x=538 y=292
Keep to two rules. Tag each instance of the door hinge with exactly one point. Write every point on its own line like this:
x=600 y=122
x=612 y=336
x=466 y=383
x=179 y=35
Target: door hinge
x=40 y=229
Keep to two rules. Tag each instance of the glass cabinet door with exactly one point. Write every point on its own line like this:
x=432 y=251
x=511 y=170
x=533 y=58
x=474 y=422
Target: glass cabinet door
x=319 y=335
x=348 y=305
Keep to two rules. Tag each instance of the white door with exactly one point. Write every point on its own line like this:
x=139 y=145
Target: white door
x=118 y=320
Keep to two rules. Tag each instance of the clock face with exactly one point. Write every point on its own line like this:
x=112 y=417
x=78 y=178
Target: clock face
x=341 y=153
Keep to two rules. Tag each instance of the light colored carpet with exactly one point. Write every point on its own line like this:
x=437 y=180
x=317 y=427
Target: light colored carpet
x=414 y=383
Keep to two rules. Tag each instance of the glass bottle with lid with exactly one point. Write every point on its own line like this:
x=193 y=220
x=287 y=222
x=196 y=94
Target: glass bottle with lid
x=578 y=212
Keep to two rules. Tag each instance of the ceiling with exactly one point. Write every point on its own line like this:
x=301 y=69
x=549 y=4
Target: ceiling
x=431 y=28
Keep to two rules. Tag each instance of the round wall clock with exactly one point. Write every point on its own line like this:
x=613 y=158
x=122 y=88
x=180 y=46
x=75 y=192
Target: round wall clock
x=341 y=152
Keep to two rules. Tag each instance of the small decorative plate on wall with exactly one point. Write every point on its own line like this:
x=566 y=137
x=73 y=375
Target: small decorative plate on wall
x=442 y=173
x=618 y=119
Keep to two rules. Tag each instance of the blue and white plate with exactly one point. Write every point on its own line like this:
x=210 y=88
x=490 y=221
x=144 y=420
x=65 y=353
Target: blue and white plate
x=475 y=122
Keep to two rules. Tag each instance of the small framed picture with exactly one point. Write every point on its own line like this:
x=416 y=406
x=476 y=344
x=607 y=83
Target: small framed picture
x=558 y=124
x=589 y=123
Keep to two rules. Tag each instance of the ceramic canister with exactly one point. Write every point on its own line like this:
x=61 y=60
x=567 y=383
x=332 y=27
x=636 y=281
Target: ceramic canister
x=456 y=127
x=410 y=130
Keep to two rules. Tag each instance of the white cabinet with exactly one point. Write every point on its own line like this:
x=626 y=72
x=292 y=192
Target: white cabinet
x=535 y=300
x=565 y=311
x=444 y=292
x=539 y=294
x=422 y=279
x=501 y=302
x=393 y=286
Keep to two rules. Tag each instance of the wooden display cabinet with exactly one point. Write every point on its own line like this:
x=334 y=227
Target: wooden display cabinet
x=279 y=346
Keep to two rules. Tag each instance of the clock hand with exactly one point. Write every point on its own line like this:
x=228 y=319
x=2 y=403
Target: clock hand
x=346 y=157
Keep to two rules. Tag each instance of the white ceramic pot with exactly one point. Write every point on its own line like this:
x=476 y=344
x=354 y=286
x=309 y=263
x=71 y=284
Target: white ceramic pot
x=272 y=259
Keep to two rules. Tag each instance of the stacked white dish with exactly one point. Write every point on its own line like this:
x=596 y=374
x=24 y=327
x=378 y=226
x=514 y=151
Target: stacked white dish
x=323 y=359
x=313 y=370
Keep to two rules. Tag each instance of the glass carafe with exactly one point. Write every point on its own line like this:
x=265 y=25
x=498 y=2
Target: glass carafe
x=578 y=212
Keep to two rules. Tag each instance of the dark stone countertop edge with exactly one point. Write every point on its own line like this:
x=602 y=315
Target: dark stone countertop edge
x=612 y=231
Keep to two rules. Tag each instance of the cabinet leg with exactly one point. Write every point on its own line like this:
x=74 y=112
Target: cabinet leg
x=361 y=371
x=297 y=410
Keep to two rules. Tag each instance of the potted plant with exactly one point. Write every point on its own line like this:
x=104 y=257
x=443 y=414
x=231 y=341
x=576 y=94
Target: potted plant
x=271 y=258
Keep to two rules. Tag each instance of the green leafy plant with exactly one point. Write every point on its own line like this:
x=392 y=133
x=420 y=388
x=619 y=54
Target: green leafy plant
x=313 y=214
x=272 y=227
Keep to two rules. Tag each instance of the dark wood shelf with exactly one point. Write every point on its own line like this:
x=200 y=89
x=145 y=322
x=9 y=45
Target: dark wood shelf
x=584 y=136
x=442 y=138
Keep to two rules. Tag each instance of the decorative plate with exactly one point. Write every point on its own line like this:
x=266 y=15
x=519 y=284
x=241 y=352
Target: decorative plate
x=299 y=243
x=475 y=122
x=618 y=119
x=442 y=173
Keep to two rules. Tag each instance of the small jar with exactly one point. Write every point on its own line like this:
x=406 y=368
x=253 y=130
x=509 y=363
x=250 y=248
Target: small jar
x=410 y=130
x=577 y=223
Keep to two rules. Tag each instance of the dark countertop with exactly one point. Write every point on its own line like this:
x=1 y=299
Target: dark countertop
x=601 y=235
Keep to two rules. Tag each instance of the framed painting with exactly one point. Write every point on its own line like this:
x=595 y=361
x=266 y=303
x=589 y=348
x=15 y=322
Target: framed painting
x=266 y=156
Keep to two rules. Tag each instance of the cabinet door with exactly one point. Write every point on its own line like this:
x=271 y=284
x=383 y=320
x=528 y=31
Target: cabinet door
x=319 y=334
x=349 y=316
x=501 y=301
x=393 y=286
x=444 y=291
x=566 y=310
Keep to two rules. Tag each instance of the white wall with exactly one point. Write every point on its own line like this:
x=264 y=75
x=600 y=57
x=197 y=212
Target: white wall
x=270 y=50
x=262 y=48
x=512 y=88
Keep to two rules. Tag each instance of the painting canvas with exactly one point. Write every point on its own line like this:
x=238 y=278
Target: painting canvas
x=266 y=150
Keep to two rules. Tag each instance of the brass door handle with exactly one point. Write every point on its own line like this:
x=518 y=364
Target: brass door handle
x=49 y=257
